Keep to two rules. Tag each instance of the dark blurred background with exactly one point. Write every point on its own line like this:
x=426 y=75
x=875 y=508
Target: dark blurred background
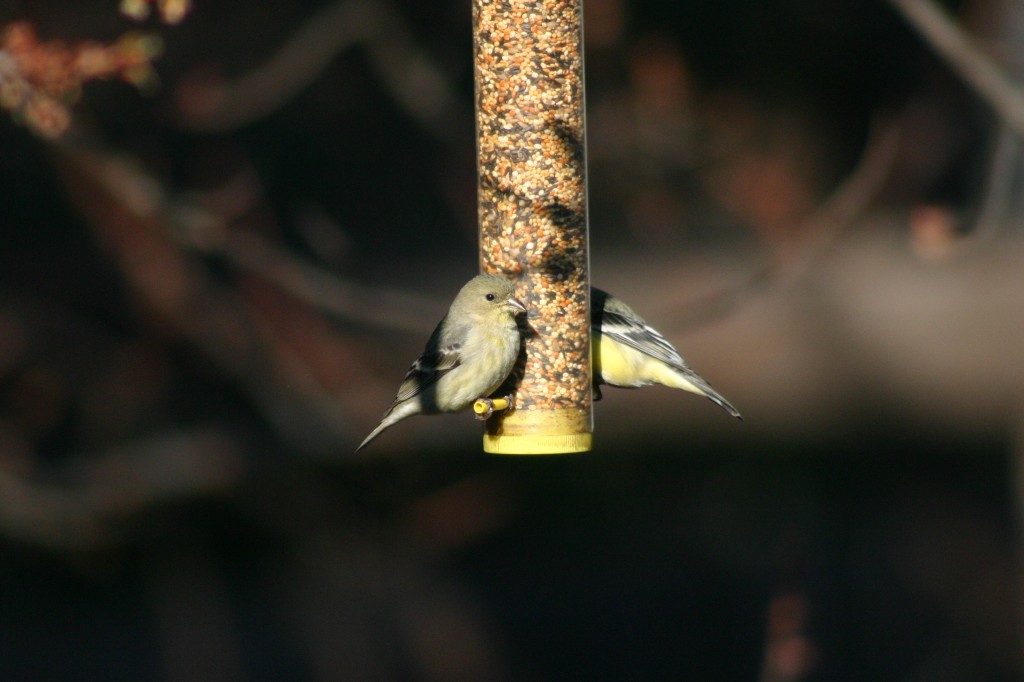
x=213 y=280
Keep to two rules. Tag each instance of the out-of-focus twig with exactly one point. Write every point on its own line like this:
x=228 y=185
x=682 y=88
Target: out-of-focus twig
x=990 y=82
x=846 y=203
x=207 y=230
x=39 y=80
x=274 y=82
x=126 y=207
x=390 y=309
x=170 y=11
x=1000 y=184
x=994 y=85
x=48 y=517
x=822 y=228
x=406 y=70
x=74 y=507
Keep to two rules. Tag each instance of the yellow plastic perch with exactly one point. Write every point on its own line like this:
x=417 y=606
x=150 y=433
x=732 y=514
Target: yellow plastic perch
x=485 y=407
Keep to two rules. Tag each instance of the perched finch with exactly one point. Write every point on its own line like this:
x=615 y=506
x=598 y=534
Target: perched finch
x=469 y=355
x=629 y=353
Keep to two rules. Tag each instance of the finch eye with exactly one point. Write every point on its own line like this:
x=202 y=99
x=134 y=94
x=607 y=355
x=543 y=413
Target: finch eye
x=490 y=297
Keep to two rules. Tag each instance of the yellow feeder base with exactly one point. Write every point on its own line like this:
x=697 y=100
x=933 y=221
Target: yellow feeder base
x=535 y=432
x=538 y=445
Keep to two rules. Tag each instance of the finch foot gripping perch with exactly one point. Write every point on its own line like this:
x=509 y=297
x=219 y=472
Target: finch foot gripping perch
x=485 y=407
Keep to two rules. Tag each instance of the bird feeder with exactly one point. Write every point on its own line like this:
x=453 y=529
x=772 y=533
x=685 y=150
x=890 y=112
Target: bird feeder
x=532 y=194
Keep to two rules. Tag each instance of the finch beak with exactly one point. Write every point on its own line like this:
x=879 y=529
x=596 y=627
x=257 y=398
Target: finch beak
x=514 y=306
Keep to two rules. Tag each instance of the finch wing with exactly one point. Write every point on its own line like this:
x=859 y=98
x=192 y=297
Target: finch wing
x=641 y=336
x=427 y=369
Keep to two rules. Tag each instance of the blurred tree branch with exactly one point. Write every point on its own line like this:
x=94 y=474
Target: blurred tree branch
x=404 y=69
x=128 y=211
x=969 y=62
x=78 y=506
x=40 y=80
x=819 y=231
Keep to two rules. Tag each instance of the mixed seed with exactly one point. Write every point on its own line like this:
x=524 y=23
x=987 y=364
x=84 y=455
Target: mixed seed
x=532 y=187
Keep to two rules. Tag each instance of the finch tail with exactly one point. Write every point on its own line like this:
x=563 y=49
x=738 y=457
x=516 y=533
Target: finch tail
x=688 y=380
x=718 y=399
x=376 y=432
x=394 y=415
